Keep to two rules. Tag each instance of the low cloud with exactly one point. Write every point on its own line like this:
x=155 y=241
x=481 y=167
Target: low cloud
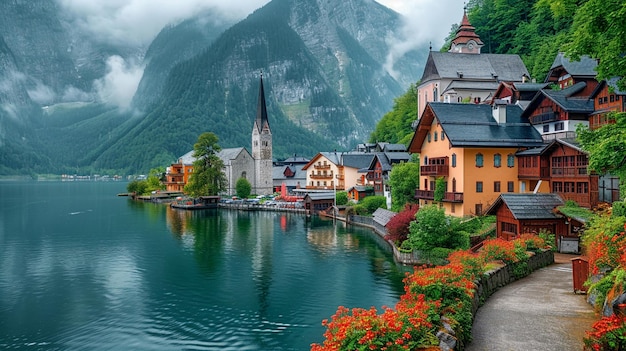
x=137 y=22
x=42 y=94
x=425 y=22
x=120 y=83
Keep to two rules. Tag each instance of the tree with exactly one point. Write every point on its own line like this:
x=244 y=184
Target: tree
x=607 y=148
x=208 y=177
x=342 y=198
x=433 y=229
x=403 y=180
x=598 y=31
x=243 y=188
x=398 y=225
x=395 y=126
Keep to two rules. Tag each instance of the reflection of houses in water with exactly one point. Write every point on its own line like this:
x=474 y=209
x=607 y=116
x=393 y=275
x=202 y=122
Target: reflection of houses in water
x=328 y=239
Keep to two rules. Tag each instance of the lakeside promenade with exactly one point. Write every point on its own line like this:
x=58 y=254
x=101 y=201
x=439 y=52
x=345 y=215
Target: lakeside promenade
x=538 y=312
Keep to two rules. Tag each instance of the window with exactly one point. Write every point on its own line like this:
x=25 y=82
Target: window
x=508 y=227
x=559 y=126
x=426 y=184
x=497 y=160
x=443 y=136
x=435 y=135
x=510 y=186
x=479 y=160
x=557 y=187
x=425 y=160
x=599 y=101
x=478 y=209
x=582 y=187
x=510 y=160
x=428 y=137
x=546 y=128
x=454 y=185
x=568 y=187
x=612 y=98
x=496 y=186
x=453 y=160
x=479 y=187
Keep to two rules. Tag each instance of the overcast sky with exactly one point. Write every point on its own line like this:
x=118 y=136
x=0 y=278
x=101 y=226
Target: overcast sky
x=137 y=22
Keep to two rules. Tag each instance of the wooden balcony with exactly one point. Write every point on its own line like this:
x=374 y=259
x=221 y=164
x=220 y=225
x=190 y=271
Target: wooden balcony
x=322 y=176
x=434 y=170
x=430 y=195
x=544 y=117
x=316 y=166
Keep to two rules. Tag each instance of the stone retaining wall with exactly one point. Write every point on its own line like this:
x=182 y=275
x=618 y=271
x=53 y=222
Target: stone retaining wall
x=497 y=278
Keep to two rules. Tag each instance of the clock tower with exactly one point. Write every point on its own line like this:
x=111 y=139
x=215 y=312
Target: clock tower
x=466 y=40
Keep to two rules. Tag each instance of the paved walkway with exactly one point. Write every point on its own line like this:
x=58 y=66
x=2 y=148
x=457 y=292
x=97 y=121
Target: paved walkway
x=539 y=312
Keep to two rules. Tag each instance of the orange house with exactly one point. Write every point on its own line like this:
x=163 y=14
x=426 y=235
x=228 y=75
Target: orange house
x=177 y=174
x=471 y=148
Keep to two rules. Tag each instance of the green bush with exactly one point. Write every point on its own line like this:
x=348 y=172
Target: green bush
x=372 y=203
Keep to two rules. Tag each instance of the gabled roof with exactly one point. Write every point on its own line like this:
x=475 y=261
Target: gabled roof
x=566 y=99
x=278 y=172
x=382 y=216
x=232 y=153
x=585 y=68
x=473 y=125
x=528 y=206
x=357 y=160
x=333 y=157
x=493 y=67
x=612 y=83
x=296 y=159
x=394 y=148
x=471 y=85
x=320 y=196
x=549 y=145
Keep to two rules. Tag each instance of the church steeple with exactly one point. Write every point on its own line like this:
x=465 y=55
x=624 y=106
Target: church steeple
x=261 y=122
x=262 y=147
x=466 y=40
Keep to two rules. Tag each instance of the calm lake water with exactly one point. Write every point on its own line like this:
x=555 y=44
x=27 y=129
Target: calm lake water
x=84 y=269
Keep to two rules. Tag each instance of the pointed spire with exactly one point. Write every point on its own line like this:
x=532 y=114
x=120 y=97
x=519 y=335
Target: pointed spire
x=261 y=121
x=466 y=35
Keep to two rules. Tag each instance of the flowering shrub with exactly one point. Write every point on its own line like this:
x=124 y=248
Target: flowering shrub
x=609 y=333
x=604 y=241
x=499 y=250
x=406 y=328
x=430 y=295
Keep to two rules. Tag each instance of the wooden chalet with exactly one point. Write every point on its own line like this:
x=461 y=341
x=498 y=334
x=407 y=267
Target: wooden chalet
x=556 y=113
x=559 y=166
x=565 y=73
x=358 y=192
x=607 y=98
x=317 y=202
x=518 y=214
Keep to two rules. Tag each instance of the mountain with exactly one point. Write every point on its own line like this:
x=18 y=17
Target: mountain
x=321 y=61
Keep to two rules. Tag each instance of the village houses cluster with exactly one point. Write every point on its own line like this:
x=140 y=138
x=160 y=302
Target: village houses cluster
x=502 y=142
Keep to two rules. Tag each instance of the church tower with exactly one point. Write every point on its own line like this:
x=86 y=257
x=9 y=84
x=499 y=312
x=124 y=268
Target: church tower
x=466 y=40
x=262 y=147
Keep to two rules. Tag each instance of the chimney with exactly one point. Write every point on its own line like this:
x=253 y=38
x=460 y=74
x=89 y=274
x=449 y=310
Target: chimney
x=498 y=110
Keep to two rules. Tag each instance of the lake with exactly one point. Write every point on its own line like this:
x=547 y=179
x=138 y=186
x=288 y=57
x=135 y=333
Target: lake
x=84 y=269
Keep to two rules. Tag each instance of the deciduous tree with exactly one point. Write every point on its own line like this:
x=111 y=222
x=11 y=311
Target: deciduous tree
x=208 y=176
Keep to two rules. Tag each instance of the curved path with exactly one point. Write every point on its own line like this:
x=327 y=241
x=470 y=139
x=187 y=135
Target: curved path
x=538 y=312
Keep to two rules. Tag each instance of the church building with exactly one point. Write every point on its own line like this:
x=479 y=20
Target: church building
x=256 y=167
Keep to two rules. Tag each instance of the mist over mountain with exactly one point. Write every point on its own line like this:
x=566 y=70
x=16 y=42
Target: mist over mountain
x=70 y=102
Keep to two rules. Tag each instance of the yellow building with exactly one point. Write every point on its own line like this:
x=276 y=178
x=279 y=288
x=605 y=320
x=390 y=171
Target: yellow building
x=471 y=148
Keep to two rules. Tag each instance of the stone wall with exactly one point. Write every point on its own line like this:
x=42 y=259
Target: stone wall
x=491 y=281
